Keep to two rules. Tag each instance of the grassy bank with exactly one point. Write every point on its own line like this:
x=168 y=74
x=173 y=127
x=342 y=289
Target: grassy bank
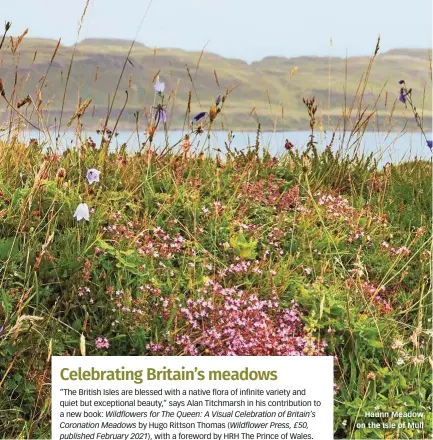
x=304 y=254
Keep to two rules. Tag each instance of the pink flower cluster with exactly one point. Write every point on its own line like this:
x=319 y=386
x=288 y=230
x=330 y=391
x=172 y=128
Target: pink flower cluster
x=403 y=250
x=270 y=193
x=378 y=297
x=120 y=231
x=159 y=348
x=155 y=243
x=240 y=267
x=101 y=342
x=231 y=322
x=127 y=305
x=83 y=290
x=160 y=244
x=336 y=206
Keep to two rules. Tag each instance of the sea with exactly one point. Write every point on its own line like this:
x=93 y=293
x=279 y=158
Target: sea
x=391 y=147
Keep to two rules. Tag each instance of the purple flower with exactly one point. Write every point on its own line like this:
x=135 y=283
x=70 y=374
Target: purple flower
x=288 y=145
x=160 y=115
x=218 y=100
x=163 y=115
x=159 y=87
x=401 y=81
x=93 y=175
x=430 y=144
x=402 y=97
x=199 y=116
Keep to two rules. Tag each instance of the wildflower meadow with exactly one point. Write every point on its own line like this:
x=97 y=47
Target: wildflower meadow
x=174 y=249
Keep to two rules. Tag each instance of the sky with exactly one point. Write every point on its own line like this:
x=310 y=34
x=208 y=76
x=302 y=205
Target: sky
x=244 y=29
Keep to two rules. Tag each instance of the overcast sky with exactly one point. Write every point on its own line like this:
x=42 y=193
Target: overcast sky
x=246 y=29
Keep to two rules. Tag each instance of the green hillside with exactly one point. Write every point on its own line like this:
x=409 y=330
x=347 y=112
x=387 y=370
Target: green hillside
x=266 y=86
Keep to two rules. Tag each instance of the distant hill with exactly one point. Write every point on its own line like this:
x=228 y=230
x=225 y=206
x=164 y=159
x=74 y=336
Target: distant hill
x=266 y=86
x=107 y=43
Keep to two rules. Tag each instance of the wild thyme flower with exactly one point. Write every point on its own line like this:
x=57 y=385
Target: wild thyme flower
x=239 y=323
x=83 y=290
x=101 y=342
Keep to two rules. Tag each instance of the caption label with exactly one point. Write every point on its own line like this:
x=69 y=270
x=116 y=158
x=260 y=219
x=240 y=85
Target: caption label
x=192 y=398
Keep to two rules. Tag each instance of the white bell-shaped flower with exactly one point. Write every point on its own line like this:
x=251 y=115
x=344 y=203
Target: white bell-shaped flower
x=82 y=212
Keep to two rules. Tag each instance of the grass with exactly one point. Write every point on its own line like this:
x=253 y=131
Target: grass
x=353 y=254
x=190 y=253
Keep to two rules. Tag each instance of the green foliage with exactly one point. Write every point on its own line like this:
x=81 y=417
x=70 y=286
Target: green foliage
x=245 y=249
x=162 y=226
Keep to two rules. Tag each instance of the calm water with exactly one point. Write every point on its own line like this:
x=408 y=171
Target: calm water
x=387 y=147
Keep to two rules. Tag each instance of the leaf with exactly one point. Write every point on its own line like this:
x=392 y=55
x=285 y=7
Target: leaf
x=82 y=345
x=374 y=343
x=353 y=370
x=128 y=252
x=105 y=246
x=7 y=305
x=8 y=247
x=322 y=303
x=126 y=262
x=17 y=377
x=50 y=350
x=363 y=222
x=243 y=248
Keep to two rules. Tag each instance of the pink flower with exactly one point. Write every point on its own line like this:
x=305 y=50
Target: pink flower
x=232 y=322
x=101 y=342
